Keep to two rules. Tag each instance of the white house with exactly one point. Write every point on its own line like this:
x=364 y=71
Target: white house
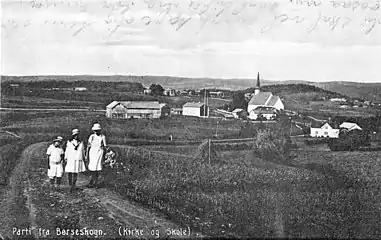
x=169 y=92
x=267 y=112
x=197 y=109
x=345 y=106
x=147 y=91
x=338 y=100
x=264 y=99
x=80 y=89
x=324 y=131
x=216 y=94
x=350 y=126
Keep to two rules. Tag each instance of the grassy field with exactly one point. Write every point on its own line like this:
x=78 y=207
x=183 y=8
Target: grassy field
x=320 y=194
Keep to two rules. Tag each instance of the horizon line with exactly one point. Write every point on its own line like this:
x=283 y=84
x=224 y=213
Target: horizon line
x=174 y=76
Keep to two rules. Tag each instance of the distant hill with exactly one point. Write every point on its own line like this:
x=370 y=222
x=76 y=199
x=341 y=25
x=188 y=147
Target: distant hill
x=366 y=91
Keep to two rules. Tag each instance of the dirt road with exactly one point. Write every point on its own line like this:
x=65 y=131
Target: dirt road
x=85 y=213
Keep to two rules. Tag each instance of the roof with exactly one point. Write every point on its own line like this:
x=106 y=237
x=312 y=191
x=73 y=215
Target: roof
x=320 y=125
x=260 y=98
x=264 y=111
x=273 y=100
x=349 y=125
x=141 y=105
x=163 y=105
x=113 y=104
x=193 y=104
x=237 y=110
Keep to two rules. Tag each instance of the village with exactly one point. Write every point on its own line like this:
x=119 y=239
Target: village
x=262 y=107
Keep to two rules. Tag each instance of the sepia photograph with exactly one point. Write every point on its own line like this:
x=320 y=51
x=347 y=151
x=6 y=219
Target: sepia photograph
x=190 y=119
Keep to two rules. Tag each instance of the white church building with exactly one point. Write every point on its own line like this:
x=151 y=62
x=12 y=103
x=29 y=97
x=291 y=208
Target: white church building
x=263 y=100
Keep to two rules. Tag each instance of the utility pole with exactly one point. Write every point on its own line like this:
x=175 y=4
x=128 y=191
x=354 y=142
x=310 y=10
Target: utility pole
x=204 y=102
x=217 y=128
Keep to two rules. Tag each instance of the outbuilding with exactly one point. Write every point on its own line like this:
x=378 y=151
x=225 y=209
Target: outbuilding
x=136 y=109
x=197 y=109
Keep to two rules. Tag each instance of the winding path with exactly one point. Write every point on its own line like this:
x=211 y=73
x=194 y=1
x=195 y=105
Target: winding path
x=111 y=213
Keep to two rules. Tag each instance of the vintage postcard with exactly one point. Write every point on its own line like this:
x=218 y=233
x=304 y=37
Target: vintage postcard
x=163 y=119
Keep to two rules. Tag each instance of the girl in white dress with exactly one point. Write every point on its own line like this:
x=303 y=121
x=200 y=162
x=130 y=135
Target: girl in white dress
x=95 y=153
x=74 y=157
x=55 y=155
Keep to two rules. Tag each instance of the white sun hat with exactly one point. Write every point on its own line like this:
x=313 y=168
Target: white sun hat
x=74 y=132
x=96 y=126
x=58 y=139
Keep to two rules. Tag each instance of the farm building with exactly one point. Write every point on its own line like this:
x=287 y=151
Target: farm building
x=239 y=113
x=345 y=106
x=324 y=130
x=130 y=110
x=80 y=89
x=263 y=99
x=177 y=111
x=216 y=94
x=197 y=109
x=338 y=100
x=169 y=92
x=147 y=91
x=350 y=126
x=267 y=112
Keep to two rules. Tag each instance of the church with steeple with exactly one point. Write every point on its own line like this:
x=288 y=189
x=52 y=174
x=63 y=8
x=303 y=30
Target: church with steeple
x=264 y=103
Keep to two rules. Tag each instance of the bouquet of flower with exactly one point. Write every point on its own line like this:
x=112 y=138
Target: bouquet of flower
x=110 y=158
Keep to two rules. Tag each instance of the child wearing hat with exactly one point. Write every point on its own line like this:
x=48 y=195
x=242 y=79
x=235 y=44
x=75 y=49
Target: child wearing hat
x=74 y=157
x=55 y=155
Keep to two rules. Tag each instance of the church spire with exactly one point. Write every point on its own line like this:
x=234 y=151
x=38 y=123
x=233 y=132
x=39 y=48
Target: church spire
x=257 y=86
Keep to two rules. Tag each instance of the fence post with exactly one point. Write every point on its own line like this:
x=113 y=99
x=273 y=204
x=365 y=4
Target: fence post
x=209 y=151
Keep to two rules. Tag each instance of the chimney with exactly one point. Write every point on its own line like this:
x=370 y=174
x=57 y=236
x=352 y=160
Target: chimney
x=257 y=86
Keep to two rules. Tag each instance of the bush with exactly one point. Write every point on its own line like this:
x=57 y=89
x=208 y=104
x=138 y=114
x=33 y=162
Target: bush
x=316 y=141
x=270 y=145
x=349 y=141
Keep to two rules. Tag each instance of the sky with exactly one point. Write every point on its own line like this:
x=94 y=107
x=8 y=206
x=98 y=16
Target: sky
x=281 y=39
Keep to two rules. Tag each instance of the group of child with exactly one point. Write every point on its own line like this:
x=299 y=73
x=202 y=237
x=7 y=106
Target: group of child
x=75 y=156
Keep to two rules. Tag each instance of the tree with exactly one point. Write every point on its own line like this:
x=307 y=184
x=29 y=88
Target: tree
x=156 y=89
x=239 y=101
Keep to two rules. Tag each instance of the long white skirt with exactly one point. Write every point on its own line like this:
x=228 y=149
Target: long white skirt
x=56 y=170
x=95 y=159
x=75 y=166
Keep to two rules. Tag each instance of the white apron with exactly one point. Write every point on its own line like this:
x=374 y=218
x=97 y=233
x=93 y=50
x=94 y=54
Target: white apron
x=55 y=164
x=96 y=151
x=74 y=158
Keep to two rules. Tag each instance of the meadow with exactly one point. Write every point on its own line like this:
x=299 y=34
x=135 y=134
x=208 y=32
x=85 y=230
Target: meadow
x=321 y=194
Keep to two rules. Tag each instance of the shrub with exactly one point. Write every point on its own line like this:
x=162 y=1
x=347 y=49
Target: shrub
x=316 y=141
x=271 y=145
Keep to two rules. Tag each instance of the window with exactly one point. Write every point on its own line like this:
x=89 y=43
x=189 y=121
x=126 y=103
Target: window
x=325 y=133
x=317 y=132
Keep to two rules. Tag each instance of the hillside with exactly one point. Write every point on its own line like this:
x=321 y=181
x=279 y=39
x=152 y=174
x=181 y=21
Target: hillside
x=367 y=91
